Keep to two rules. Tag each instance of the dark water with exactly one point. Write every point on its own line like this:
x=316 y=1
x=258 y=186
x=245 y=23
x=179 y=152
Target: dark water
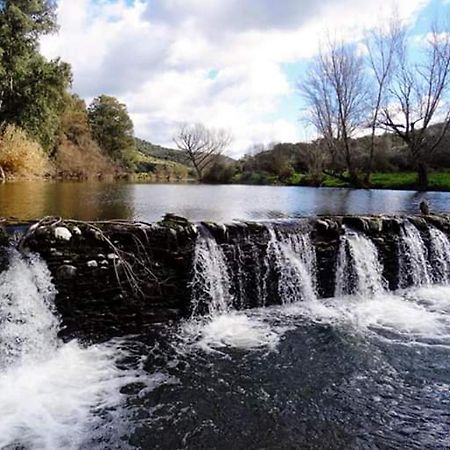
x=149 y=202
x=331 y=380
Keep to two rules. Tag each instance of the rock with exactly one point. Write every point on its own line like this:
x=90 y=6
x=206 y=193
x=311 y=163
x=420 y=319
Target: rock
x=356 y=223
x=76 y=230
x=174 y=220
x=375 y=224
x=322 y=225
x=63 y=234
x=66 y=272
x=419 y=222
x=424 y=207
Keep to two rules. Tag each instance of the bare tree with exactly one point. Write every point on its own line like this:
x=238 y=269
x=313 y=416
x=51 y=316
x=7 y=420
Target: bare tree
x=315 y=157
x=416 y=107
x=336 y=95
x=201 y=145
x=381 y=50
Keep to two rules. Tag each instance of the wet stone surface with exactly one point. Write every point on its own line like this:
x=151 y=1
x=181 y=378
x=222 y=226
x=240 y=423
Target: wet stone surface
x=116 y=278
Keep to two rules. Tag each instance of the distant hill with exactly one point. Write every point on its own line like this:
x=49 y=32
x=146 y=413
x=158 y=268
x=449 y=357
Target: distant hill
x=170 y=154
x=164 y=153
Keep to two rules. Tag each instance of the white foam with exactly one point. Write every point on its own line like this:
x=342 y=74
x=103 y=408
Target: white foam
x=48 y=390
x=233 y=330
x=49 y=404
x=402 y=315
x=435 y=297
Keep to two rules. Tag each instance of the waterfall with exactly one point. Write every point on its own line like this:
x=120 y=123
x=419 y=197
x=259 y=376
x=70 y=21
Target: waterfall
x=211 y=284
x=414 y=269
x=278 y=265
x=28 y=326
x=359 y=270
x=292 y=257
x=223 y=282
x=48 y=390
x=439 y=256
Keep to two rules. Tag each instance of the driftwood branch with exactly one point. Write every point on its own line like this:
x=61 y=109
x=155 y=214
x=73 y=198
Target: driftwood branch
x=127 y=261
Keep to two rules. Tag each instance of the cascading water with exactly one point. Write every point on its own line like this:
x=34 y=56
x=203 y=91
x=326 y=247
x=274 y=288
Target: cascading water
x=28 y=326
x=439 y=256
x=414 y=269
x=359 y=270
x=211 y=285
x=293 y=258
x=289 y=258
x=48 y=390
x=373 y=362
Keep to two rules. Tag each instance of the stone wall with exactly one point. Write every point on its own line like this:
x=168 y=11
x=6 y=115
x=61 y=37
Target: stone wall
x=117 y=278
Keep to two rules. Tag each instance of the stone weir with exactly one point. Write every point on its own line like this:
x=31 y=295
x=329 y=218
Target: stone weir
x=115 y=278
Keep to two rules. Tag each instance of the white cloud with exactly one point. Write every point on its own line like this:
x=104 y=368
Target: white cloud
x=214 y=61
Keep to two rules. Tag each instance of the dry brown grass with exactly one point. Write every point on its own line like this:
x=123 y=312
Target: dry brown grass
x=21 y=157
x=81 y=162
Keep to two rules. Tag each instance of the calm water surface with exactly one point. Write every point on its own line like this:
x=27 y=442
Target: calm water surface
x=149 y=202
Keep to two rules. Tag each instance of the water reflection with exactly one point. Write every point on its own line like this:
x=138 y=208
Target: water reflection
x=84 y=201
x=149 y=202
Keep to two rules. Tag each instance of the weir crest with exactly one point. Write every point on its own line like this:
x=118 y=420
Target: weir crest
x=116 y=278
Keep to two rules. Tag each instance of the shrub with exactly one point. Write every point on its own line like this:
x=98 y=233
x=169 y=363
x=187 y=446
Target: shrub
x=220 y=173
x=73 y=161
x=77 y=155
x=21 y=157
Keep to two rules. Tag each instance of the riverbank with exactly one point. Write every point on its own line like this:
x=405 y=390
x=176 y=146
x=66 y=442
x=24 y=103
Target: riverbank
x=407 y=181
x=438 y=181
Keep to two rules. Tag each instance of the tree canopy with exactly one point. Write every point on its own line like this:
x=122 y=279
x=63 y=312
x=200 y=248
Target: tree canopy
x=112 y=128
x=32 y=89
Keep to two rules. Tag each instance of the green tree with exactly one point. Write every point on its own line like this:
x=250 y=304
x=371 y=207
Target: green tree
x=74 y=125
x=32 y=89
x=112 y=128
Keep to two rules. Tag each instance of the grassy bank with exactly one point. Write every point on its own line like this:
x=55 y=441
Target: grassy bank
x=439 y=181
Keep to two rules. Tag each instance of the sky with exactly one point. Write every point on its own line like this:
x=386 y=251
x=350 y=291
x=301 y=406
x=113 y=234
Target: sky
x=231 y=64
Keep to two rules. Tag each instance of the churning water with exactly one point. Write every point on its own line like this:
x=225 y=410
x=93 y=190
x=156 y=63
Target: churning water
x=367 y=368
x=48 y=390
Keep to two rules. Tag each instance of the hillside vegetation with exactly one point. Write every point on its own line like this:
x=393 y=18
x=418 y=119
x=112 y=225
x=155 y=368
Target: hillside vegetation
x=156 y=163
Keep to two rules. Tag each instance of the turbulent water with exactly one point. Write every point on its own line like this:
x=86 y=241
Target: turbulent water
x=366 y=369
x=359 y=270
x=414 y=266
x=50 y=393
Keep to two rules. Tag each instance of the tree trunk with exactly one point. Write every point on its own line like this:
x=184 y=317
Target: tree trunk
x=198 y=171
x=371 y=158
x=422 y=176
x=356 y=180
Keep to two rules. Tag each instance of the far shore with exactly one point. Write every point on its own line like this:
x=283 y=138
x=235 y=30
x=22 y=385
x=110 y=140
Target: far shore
x=401 y=181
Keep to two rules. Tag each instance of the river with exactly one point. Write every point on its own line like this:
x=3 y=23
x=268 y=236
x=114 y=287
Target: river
x=365 y=369
x=223 y=203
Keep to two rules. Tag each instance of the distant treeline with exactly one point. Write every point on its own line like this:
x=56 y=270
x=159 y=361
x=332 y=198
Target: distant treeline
x=311 y=164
